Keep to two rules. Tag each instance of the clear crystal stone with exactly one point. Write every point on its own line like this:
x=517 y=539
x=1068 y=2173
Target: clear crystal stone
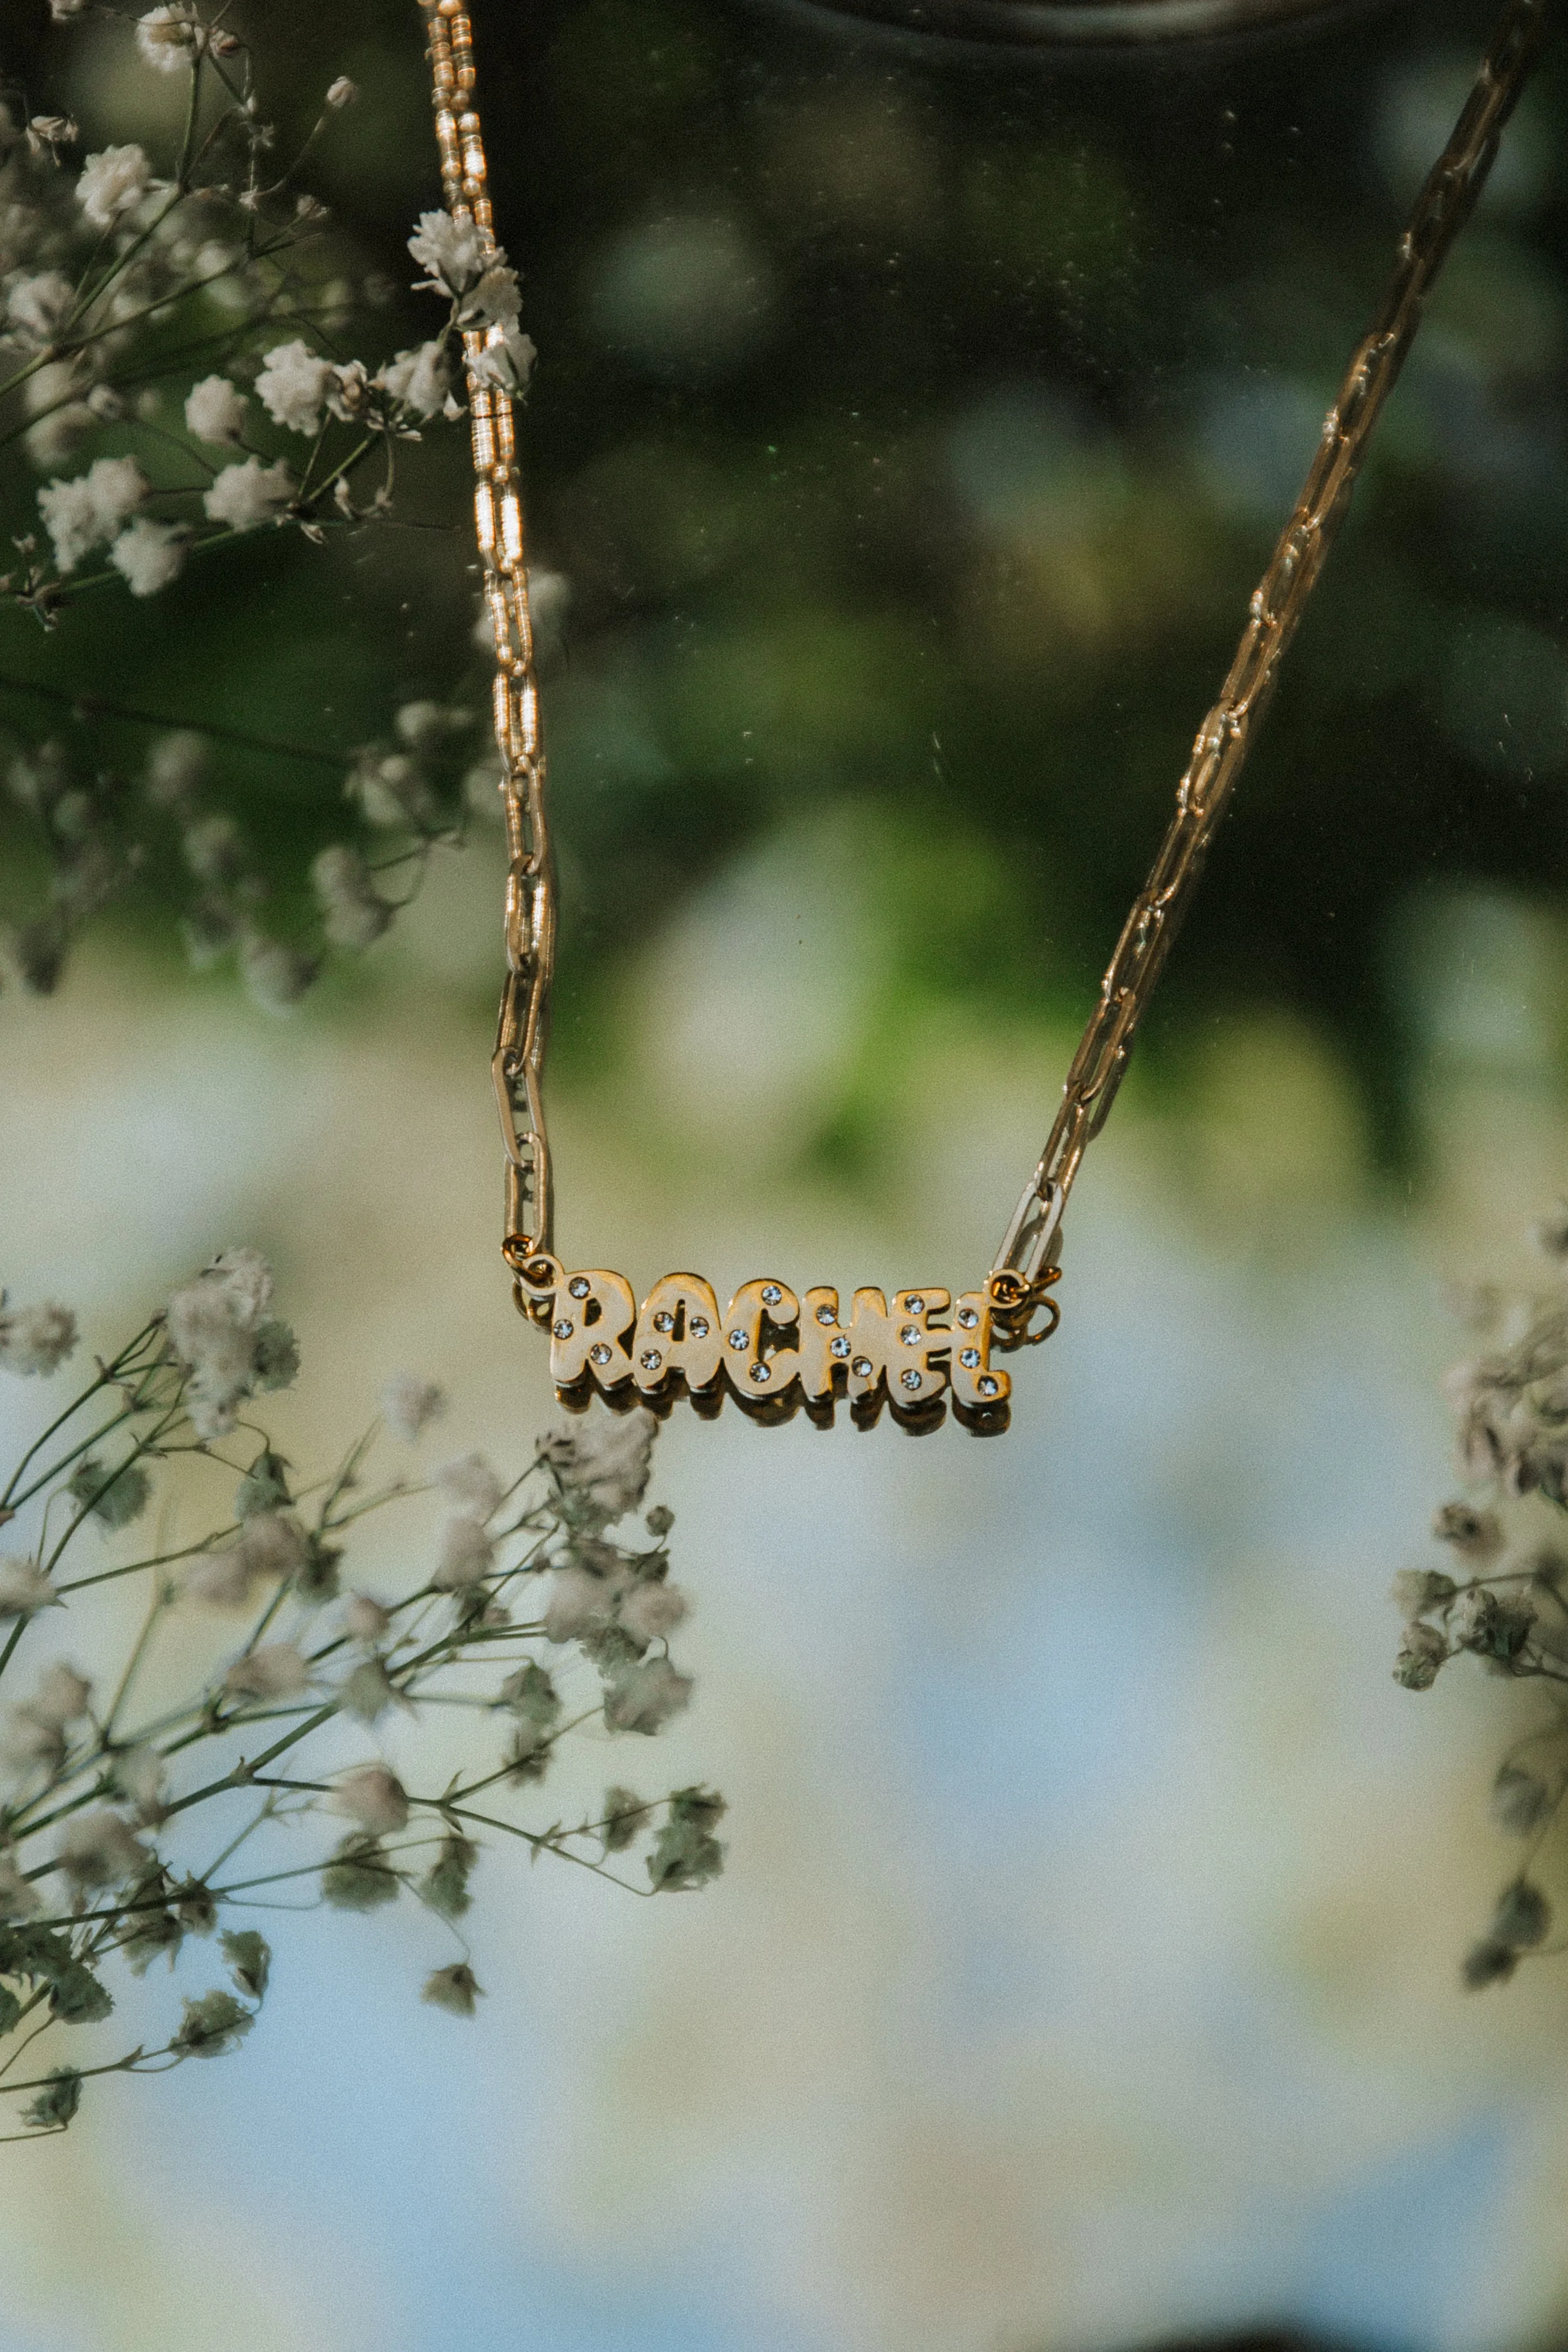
x=916 y=1306
x=579 y=1285
x=911 y=1335
x=912 y=1378
x=698 y=1327
x=760 y=1372
x=664 y=1322
x=771 y=1293
x=601 y=1354
x=839 y=1346
x=862 y=1368
x=563 y=1329
x=968 y=1318
x=825 y=1314
x=969 y=1357
x=987 y=1386
x=651 y=1360
x=739 y=1340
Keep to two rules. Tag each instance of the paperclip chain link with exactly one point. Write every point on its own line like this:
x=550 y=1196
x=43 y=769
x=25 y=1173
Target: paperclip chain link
x=518 y=1065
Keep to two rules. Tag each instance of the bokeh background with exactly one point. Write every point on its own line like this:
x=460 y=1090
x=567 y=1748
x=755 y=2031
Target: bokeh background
x=910 y=428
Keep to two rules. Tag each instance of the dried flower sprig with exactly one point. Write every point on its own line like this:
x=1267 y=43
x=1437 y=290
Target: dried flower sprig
x=1501 y=1591
x=119 y=1830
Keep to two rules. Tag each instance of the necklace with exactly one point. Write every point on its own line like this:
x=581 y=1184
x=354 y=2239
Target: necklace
x=771 y=1348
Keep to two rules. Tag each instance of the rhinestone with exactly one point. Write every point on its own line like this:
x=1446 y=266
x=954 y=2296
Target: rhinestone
x=698 y=1327
x=986 y=1386
x=579 y=1285
x=760 y=1372
x=969 y=1357
x=968 y=1318
x=861 y=1368
x=563 y=1329
x=664 y=1322
x=911 y=1335
x=651 y=1360
x=601 y=1354
x=740 y=1339
x=771 y=1293
x=916 y=1306
x=912 y=1378
x=839 y=1346
x=825 y=1314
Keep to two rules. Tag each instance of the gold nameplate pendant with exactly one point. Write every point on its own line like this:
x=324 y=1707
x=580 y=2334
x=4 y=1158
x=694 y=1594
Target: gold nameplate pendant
x=776 y=1353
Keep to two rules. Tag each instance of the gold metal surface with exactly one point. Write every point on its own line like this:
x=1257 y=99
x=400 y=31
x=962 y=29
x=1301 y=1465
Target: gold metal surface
x=1032 y=1239
x=765 y=1349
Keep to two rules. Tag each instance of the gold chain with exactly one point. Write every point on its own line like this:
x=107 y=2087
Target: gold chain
x=607 y=1342
x=1031 y=1242
x=518 y=1062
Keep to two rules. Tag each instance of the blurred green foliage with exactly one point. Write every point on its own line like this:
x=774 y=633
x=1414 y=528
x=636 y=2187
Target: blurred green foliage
x=912 y=427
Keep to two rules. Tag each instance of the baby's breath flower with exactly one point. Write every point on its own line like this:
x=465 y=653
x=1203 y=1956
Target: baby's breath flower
x=643 y=1696
x=1495 y=1625
x=169 y=37
x=342 y=92
x=29 y=1742
x=1415 y=1590
x=471 y=1486
x=111 y=183
x=1421 y=1654
x=62 y=1696
x=176 y=768
x=650 y=1611
x=81 y=514
x=604 y=1465
x=686 y=1853
x=246 y=496
x=212 y=2026
x=659 y=1520
x=368 y=1691
x=40 y=306
x=18 y=1900
x=423 y=725
x=275 y=974
x=114 y=1496
x=445 y=1885
x=419 y=379
x=354 y=913
x=359 y=1874
x=409 y=1405
x=374 y=1797
x=505 y=362
x=456 y=1989
x=292 y=386
x=467 y=1556
x=35 y=1339
x=23 y=1587
x=214 y=412
x=365 y=1619
x=624 y=1816
x=275 y=1671
x=577 y=1602
x=272 y=1544
x=1477 y=1534
x=451 y=251
x=150 y=555
x=99 y=1849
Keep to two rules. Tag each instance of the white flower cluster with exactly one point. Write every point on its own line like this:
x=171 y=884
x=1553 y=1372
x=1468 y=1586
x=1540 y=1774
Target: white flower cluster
x=1501 y=1594
x=96 y=1808
x=35 y=1339
x=224 y=1340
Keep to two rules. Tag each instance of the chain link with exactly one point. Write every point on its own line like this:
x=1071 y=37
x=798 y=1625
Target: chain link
x=1025 y=1264
x=1031 y=1242
x=518 y=1066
